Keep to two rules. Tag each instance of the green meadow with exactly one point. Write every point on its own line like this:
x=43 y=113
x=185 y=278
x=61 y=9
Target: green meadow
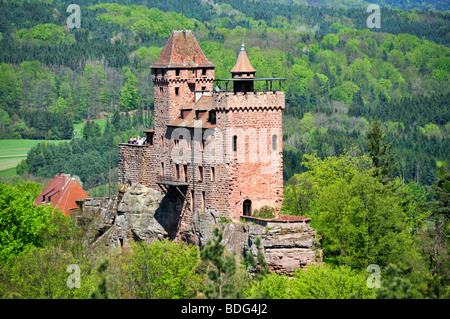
x=12 y=152
x=78 y=127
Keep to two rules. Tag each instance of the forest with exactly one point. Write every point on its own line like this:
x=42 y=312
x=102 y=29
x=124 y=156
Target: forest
x=344 y=82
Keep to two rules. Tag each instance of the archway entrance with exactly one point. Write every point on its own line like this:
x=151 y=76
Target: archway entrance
x=247 y=207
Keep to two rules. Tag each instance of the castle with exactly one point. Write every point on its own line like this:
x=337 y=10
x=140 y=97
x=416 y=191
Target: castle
x=211 y=149
x=213 y=158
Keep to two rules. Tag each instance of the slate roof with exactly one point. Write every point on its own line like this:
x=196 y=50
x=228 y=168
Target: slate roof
x=62 y=192
x=182 y=51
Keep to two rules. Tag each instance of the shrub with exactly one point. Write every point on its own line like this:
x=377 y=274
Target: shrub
x=265 y=211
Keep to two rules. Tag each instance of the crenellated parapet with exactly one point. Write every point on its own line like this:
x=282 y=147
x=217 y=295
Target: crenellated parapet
x=273 y=100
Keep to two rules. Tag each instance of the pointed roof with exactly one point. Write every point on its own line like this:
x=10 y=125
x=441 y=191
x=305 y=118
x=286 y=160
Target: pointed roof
x=182 y=51
x=62 y=192
x=243 y=63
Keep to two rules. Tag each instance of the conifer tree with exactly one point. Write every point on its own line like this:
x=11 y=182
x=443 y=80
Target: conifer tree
x=224 y=267
x=379 y=151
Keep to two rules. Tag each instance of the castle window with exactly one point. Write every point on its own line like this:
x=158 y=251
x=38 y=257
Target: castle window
x=177 y=91
x=203 y=71
x=161 y=91
x=162 y=169
x=203 y=200
x=177 y=171
x=212 y=117
x=177 y=72
x=185 y=172
x=162 y=141
x=234 y=143
x=274 y=142
x=213 y=174
x=200 y=173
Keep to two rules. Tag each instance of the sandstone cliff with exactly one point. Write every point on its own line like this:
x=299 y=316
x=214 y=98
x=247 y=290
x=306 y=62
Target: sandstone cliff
x=143 y=214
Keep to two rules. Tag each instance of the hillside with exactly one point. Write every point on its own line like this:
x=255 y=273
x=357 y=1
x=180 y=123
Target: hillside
x=366 y=140
x=392 y=4
x=337 y=70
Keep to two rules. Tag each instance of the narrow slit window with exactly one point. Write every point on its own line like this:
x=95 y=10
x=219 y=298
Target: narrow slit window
x=177 y=171
x=213 y=174
x=200 y=173
x=234 y=143
x=177 y=91
x=274 y=142
x=203 y=200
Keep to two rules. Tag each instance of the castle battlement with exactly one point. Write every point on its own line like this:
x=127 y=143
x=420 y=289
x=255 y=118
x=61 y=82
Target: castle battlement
x=233 y=164
x=248 y=100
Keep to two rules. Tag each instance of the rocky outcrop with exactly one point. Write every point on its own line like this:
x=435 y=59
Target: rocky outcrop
x=286 y=246
x=139 y=213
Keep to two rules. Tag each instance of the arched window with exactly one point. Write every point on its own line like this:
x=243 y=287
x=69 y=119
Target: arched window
x=274 y=142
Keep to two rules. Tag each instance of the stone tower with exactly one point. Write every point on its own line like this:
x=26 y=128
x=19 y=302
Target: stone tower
x=211 y=150
x=213 y=153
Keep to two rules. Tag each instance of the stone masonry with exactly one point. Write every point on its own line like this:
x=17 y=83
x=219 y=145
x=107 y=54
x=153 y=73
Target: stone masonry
x=212 y=153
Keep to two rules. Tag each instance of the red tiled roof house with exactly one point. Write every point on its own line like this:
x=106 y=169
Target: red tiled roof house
x=62 y=193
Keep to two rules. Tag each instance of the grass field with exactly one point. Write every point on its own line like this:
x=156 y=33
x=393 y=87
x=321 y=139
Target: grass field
x=12 y=152
x=79 y=127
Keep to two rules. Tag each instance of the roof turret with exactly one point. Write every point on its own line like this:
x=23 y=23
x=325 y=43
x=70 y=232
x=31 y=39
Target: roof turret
x=243 y=64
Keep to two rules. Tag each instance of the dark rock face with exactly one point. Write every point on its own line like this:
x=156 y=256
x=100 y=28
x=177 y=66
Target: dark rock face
x=140 y=213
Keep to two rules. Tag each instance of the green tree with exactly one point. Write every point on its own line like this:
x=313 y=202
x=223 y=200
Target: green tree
x=316 y=282
x=22 y=226
x=129 y=96
x=224 y=267
x=380 y=151
x=5 y=120
x=273 y=286
x=42 y=273
x=329 y=282
x=101 y=291
x=362 y=220
x=301 y=190
x=163 y=269
x=10 y=86
x=259 y=267
x=393 y=286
